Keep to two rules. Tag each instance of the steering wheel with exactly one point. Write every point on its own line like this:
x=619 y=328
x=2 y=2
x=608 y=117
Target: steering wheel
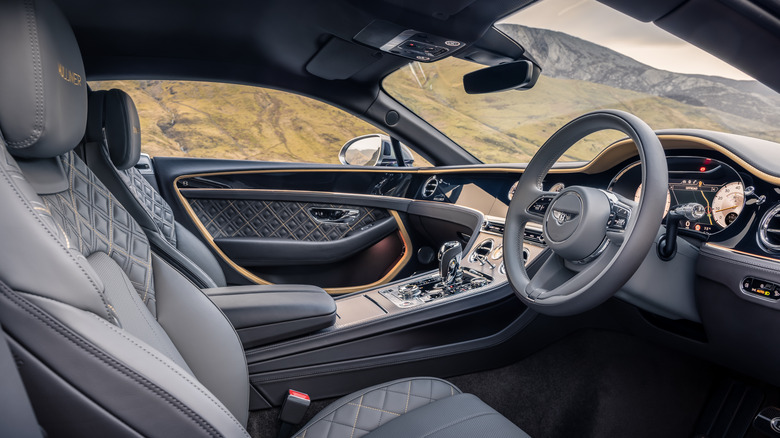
x=598 y=238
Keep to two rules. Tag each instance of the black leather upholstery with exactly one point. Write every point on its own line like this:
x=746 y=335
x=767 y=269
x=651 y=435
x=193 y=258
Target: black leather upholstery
x=269 y=313
x=43 y=87
x=277 y=219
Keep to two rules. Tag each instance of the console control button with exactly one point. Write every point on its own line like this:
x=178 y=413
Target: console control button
x=762 y=288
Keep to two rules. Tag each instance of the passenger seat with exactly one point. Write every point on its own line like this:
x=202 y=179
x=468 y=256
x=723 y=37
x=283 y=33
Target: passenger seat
x=112 y=149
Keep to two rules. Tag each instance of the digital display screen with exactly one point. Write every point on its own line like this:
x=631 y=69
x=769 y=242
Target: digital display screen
x=711 y=184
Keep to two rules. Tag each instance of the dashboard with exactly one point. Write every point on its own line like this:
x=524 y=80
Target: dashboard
x=740 y=197
x=721 y=288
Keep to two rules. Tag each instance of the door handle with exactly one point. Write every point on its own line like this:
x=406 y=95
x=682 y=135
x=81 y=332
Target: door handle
x=334 y=215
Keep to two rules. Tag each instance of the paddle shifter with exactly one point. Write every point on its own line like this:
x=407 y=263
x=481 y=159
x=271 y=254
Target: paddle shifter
x=449 y=262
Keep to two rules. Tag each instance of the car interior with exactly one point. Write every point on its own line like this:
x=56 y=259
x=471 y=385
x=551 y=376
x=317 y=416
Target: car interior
x=425 y=278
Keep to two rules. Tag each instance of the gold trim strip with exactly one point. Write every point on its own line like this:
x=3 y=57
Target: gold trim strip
x=606 y=159
x=736 y=251
x=347 y=196
x=407 y=255
x=625 y=149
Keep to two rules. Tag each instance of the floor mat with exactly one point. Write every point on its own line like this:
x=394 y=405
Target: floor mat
x=598 y=384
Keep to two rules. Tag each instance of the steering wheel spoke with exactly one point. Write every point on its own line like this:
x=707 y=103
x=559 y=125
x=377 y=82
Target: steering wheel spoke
x=598 y=238
x=550 y=275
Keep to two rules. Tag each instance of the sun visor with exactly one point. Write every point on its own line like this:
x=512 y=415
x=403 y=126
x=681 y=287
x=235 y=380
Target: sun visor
x=440 y=9
x=339 y=59
x=494 y=48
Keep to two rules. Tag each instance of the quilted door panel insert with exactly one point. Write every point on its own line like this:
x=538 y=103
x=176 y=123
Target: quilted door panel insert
x=277 y=219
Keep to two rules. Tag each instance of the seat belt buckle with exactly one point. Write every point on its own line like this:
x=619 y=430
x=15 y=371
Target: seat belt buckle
x=293 y=410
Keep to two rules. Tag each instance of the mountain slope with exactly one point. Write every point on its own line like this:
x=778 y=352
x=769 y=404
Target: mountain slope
x=560 y=54
x=241 y=122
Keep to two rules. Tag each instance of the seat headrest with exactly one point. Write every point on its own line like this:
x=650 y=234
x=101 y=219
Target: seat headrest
x=113 y=114
x=43 y=91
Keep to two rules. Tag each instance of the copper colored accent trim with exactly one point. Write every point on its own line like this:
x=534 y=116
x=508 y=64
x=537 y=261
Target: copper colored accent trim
x=608 y=158
x=736 y=251
x=605 y=160
x=625 y=149
x=402 y=261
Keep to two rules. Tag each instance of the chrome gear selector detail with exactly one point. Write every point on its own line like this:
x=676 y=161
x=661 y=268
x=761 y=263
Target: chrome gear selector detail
x=450 y=255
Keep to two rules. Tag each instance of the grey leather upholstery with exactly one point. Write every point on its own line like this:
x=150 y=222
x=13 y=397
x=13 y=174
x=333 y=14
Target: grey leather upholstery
x=81 y=293
x=416 y=407
x=123 y=128
x=110 y=339
x=42 y=112
x=113 y=148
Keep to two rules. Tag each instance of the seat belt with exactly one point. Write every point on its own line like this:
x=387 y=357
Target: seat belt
x=17 y=418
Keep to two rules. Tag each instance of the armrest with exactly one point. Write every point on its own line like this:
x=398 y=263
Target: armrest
x=265 y=314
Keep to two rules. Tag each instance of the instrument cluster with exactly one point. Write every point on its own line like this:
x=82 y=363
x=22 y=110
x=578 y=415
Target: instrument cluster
x=709 y=183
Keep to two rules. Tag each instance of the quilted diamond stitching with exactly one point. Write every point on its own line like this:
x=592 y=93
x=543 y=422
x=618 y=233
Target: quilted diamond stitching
x=275 y=219
x=15 y=177
x=91 y=219
x=151 y=201
x=363 y=414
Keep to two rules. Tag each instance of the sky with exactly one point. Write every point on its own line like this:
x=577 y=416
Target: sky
x=644 y=42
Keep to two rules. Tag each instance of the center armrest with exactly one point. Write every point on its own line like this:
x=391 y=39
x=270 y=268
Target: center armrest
x=263 y=314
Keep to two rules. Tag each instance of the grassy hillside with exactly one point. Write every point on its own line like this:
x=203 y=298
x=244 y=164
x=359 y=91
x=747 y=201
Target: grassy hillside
x=510 y=126
x=237 y=122
x=241 y=122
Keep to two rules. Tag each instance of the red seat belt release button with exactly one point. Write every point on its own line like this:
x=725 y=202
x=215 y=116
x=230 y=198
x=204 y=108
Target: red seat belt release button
x=294 y=407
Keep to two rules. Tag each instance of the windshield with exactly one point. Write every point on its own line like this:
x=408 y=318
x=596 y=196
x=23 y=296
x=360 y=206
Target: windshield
x=603 y=60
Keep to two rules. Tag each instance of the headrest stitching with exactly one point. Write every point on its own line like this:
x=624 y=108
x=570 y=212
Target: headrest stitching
x=38 y=73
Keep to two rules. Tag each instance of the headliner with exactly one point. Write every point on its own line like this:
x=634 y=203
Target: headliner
x=269 y=42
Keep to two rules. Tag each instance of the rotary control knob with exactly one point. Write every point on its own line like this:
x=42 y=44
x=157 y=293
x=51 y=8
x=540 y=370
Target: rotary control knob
x=409 y=291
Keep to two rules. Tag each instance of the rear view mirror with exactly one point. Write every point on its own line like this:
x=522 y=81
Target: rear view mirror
x=373 y=150
x=515 y=75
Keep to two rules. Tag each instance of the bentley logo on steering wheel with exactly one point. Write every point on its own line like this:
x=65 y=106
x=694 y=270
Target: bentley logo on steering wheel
x=561 y=216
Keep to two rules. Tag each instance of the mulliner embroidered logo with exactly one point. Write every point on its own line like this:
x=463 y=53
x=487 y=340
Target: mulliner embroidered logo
x=69 y=75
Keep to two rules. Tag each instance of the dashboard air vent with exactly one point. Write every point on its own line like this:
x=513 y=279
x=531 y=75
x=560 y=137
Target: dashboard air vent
x=482 y=250
x=430 y=186
x=769 y=229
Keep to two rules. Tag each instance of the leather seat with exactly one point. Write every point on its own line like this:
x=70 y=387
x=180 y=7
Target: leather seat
x=112 y=149
x=110 y=339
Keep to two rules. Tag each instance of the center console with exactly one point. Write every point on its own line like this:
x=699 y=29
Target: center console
x=263 y=314
x=480 y=268
x=464 y=310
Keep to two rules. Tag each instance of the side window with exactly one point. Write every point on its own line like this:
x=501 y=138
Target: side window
x=216 y=120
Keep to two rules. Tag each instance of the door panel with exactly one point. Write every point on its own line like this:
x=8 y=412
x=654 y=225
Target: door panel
x=341 y=230
x=259 y=251
x=297 y=221
x=333 y=246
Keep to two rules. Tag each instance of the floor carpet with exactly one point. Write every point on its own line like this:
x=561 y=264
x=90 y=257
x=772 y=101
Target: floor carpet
x=591 y=384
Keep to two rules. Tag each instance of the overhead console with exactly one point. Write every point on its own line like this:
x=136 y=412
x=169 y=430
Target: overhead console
x=407 y=43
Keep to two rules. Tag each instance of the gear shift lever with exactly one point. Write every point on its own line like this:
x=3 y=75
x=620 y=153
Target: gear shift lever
x=449 y=262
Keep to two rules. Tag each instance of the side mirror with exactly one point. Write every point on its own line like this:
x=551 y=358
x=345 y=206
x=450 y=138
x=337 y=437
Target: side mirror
x=373 y=150
x=517 y=75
